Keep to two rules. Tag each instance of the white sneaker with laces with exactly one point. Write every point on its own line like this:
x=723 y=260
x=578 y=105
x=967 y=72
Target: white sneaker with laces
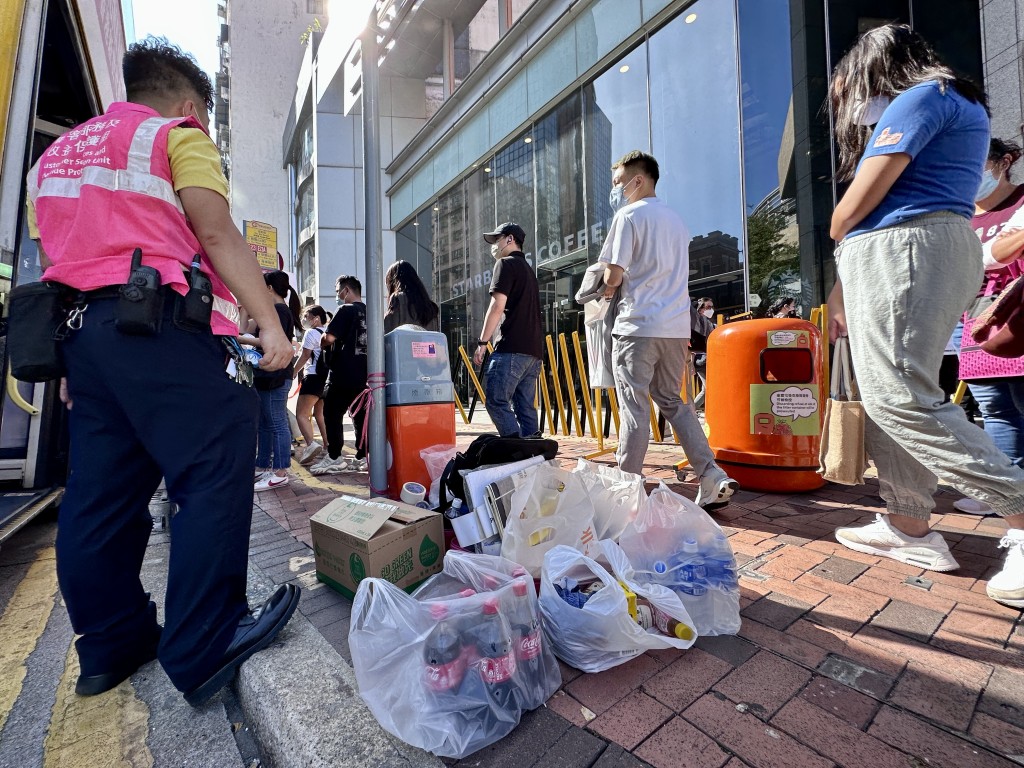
x=357 y=465
x=972 y=507
x=313 y=450
x=271 y=481
x=879 y=538
x=1007 y=586
x=259 y=474
x=329 y=466
x=715 y=490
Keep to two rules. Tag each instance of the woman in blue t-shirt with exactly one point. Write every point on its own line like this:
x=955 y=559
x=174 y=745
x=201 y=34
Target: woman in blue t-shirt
x=908 y=264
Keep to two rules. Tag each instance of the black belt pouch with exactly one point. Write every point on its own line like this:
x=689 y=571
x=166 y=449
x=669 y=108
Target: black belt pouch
x=37 y=313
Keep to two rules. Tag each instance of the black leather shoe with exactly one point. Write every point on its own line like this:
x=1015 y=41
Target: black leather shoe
x=252 y=635
x=91 y=685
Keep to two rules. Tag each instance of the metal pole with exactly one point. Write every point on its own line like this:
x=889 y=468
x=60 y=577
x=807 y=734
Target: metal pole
x=374 y=294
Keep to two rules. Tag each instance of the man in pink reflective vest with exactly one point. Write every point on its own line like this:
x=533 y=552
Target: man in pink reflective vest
x=160 y=402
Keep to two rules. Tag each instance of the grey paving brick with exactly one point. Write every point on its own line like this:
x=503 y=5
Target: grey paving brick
x=576 y=748
x=730 y=648
x=839 y=569
x=909 y=619
x=777 y=610
x=851 y=674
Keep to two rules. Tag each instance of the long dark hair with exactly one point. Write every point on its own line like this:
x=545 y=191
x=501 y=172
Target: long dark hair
x=278 y=280
x=402 y=277
x=885 y=61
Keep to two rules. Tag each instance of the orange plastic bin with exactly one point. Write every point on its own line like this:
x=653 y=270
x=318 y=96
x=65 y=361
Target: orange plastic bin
x=420 y=402
x=765 y=397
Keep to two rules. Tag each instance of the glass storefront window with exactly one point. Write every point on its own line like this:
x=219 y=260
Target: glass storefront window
x=695 y=137
x=305 y=271
x=307 y=208
x=304 y=165
x=616 y=113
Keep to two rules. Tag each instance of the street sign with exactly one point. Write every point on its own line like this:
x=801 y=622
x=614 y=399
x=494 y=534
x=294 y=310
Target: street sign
x=262 y=241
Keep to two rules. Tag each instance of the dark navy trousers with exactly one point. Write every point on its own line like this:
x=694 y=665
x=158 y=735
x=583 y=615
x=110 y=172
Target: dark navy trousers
x=146 y=407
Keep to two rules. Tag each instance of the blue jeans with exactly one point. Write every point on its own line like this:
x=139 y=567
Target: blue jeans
x=1002 y=407
x=274 y=437
x=1001 y=402
x=510 y=388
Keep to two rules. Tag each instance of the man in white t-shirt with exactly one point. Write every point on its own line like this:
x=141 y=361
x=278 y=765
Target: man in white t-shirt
x=647 y=262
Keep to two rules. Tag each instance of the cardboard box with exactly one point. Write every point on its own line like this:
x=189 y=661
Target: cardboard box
x=355 y=538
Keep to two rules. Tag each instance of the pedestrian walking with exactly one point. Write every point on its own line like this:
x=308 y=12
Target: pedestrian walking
x=997 y=383
x=146 y=383
x=409 y=301
x=274 y=435
x=647 y=266
x=512 y=371
x=905 y=243
x=311 y=367
x=346 y=379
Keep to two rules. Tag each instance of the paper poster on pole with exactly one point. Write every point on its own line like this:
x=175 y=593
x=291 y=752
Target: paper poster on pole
x=262 y=241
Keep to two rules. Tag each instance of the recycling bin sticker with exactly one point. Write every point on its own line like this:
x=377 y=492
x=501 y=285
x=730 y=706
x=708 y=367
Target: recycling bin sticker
x=784 y=409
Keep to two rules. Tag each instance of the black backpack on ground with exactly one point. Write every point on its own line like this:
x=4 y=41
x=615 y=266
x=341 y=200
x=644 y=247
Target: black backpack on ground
x=485 y=450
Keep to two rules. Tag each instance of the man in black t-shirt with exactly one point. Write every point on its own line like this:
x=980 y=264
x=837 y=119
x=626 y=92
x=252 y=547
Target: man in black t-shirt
x=512 y=372
x=345 y=343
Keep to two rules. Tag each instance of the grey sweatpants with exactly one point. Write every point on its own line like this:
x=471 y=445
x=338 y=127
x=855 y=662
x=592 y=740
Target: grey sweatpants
x=655 y=366
x=905 y=287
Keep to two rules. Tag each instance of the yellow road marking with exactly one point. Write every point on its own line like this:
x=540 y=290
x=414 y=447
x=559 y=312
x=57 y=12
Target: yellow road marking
x=21 y=625
x=105 y=731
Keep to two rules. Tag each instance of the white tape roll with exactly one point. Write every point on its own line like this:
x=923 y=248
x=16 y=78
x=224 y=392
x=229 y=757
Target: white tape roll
x=413 y=493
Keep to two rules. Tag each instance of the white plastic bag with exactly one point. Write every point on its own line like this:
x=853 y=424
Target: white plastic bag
x=616 y=495
x=435 y=459
x=674 y=542
x=550 y=507
x=446 y=670
x=602 y=634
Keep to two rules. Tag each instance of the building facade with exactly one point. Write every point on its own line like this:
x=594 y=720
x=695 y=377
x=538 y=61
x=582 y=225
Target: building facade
x=262 y=44
x=500 y=110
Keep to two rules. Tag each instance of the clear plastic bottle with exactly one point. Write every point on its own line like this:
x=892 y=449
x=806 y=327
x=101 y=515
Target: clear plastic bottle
x=528 y=639
x=443 y=654
x=496 y=656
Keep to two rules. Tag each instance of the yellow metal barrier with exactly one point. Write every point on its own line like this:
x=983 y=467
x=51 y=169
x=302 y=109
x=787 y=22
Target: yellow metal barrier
x=961 y=390
x=570 y=389
x=584 y=384
x=465 y=418
x=655 y=430
x=472 y=374
x=547 y=398
x=553 y=362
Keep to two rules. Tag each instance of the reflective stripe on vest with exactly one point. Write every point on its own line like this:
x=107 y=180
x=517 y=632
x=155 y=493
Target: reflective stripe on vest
x=136 y=177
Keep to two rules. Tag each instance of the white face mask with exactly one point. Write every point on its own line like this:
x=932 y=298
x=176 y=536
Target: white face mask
x=989 y=182
x=708 y=313
x=870 y=112
x=495 y=250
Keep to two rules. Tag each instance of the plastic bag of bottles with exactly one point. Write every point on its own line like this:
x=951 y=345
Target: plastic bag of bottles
x=602 y=633
x=551 y=507
x=617 y=496
x=451 y=668
x=675 y=543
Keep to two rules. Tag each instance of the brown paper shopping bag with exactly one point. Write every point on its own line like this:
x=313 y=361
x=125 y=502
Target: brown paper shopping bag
x=842 y=455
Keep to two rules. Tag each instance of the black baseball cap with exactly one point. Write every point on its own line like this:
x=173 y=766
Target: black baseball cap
x=508 y=228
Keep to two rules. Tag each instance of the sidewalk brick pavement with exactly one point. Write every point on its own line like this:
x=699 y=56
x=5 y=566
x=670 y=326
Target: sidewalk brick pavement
x=843 y=659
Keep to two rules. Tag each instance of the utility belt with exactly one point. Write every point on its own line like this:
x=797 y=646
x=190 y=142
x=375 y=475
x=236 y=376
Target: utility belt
x=42 y=314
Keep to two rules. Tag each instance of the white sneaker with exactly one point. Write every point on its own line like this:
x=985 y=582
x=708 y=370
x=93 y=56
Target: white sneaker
x=715 y=491
x=972 y=507
x=329 y=466
x=356 y=465
x=1007 y=586
x=313 y=450
x=271 y=481
x=879 y=538
x=259 y=474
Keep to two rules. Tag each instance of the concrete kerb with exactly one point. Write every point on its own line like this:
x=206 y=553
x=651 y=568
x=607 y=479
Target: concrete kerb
x=301 y=699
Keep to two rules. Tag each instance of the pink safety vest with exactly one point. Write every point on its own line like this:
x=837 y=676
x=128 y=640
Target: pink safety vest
x=104 y=189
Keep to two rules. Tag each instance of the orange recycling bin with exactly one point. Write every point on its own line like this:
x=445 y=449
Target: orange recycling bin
x=765 y=397
x=420 y=401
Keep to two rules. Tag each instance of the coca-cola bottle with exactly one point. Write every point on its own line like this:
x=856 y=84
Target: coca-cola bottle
x=527 y=636
x=442 y=653
x=496 y=656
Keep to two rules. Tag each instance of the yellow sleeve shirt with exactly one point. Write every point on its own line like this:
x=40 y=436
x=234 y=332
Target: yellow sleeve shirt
x=195 y=162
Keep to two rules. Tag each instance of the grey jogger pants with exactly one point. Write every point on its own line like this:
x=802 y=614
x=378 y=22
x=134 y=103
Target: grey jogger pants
x=905 y=288
x=655 y=366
